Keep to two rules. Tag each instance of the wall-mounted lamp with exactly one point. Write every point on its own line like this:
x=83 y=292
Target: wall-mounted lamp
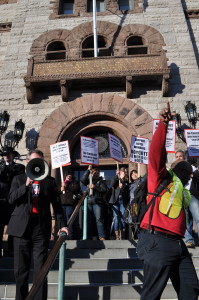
x=192 y=116
x=191 y=110
x=13 y=140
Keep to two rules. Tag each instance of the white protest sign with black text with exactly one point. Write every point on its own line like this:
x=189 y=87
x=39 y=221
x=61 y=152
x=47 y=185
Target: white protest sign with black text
x=171 y=134
x=89 y=151
x=139 y=150
x=192 y=140
x=60 y=154
x=115 y=148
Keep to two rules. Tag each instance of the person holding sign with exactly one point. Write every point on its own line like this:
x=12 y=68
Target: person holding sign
x=30 y=225
x=119 y=199
x=160 y=242
x=96 y=204
x=70 y=197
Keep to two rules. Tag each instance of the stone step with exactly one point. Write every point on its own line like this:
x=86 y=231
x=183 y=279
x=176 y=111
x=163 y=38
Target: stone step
x=94 y=292
x=92 y=263
x=112 y=277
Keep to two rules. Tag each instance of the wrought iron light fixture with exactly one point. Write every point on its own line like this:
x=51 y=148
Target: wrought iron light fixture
x=191 y=111
x=13 y=140
x=192 y=116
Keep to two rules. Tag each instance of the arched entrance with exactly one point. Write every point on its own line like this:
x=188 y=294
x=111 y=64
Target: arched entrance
x=95 y=114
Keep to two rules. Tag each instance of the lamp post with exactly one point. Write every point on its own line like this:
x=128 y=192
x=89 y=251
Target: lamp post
x=17 y=134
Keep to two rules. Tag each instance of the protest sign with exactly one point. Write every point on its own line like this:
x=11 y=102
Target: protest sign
x=60 y=154
x=171 y=134
x=89 y=151
x=139 y=150
x=115 y=148
x=192 y=140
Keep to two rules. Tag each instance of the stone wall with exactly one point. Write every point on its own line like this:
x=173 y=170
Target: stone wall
x=31 y=18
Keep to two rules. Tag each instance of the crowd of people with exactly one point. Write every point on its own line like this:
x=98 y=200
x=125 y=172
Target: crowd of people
x=26 y=209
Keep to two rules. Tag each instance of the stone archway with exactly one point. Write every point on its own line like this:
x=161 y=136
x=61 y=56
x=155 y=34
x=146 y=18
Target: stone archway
x=125 y=117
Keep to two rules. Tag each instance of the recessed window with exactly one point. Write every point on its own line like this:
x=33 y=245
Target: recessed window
x=67 y=7
x=136 y=45
x=100 y=5
x=126 y=4
x=56 y=50
x=88 y=47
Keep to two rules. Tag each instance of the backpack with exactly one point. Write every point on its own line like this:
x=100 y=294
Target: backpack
x=136 y=209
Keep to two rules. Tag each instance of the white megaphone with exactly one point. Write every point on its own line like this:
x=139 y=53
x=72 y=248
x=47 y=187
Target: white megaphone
x=37 y=169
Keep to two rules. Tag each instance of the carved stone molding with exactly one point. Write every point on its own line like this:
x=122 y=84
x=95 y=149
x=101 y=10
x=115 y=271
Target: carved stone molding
x=76 y=118
x=74 y=67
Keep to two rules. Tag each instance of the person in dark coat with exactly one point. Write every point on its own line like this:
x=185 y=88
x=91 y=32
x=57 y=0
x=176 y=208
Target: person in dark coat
x=3 y=210
x=193 y=209
x=30 y=225
x=8 y=170
x=96 y=203
x=119 y=199
x=70 y=197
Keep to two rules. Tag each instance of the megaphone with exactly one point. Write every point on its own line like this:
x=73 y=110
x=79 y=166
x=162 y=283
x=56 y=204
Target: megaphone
x=37 y=169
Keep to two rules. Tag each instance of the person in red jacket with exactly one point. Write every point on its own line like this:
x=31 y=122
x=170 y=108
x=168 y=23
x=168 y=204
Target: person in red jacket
x=160 y=243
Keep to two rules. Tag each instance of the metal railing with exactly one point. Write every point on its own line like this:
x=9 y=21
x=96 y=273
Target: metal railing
x=39 y=280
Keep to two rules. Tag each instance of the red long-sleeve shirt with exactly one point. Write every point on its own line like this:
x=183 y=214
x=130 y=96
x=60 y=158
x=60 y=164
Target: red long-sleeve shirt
x=156 y=173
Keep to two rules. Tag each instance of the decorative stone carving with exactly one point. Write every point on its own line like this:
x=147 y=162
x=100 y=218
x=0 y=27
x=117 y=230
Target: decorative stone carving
x=154 y=63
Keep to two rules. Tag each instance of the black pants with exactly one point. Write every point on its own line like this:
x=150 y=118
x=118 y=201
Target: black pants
x=35 y=244
x=166 y=258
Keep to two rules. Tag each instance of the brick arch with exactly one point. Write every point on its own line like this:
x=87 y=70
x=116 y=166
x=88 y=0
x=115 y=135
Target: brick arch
x=116 y=36
x=40 y=44
x=79 y=33
x=152 y=37
x=71 y=119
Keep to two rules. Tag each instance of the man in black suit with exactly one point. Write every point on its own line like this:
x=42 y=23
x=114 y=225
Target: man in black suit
x=8 y=170
x=30 y=225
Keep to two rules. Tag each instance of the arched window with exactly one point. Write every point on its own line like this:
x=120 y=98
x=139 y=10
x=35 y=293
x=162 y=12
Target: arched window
x=88 y=47
x=136 y=45
x=56 y=50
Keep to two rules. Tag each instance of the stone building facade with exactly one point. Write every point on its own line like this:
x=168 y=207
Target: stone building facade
x=148 y=55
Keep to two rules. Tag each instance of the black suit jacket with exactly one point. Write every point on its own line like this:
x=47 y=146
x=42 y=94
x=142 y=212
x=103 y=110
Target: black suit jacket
x=20 y=196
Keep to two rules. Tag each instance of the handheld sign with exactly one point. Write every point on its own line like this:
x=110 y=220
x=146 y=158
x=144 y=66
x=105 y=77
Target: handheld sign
x=115 y=148
x=60 y=155
x=192 y=140
x=139 y=150
x=89 y=151
x=171 y=134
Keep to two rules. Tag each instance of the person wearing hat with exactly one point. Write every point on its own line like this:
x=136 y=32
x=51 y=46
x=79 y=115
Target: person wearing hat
x=10 y=167
x=8 y=170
